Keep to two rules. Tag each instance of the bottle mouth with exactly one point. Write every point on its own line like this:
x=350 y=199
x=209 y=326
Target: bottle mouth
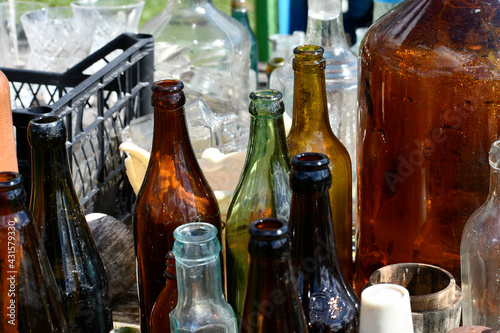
x=9 y=179
x=168 y=94
x=310 y=160
x=309 y=55
x=269 y=228
x=195 y=232
x=47 y=130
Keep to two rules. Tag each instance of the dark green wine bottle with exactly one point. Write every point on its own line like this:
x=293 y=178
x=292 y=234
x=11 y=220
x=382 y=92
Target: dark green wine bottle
x=70 y=247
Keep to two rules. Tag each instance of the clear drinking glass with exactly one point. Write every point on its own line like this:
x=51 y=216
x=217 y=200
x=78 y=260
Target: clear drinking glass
x=14 y=47
x=57 y=38
x=115 y=17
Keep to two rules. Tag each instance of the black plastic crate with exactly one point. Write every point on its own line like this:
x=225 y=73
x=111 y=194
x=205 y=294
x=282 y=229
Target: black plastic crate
x=96 y=105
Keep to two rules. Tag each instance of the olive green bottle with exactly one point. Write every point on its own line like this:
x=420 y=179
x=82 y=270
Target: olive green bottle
x=263 y=190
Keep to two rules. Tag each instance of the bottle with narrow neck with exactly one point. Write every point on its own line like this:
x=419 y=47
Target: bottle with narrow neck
x=201 y=306
x=167 y=300
x=272 y=302
x=325 y=28
x=28 y=291
x=311 y=132
x=329 y=302
x=428 y=115
x=479 y=253
x=71 y=250
x=239 y=11
x=263 y=189
x=174 y=192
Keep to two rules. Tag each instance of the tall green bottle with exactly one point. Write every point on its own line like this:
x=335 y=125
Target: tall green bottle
x=239 y=11
x=262 y=192
x=71 y=250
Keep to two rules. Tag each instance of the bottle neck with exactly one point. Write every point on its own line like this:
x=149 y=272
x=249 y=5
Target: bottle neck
x=494 y=193
x=200 y=282
x=50 y=166
x=171 y=135
x=267 y=139
x=310 y=109
x=313 y=237
x=325 y=25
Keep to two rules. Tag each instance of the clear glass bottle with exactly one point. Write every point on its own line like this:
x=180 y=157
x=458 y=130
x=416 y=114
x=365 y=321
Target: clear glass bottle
x=428 y=115
x=262 y=191
x=325 y=28
x=239 y=11
x=174 y=192
x=209 y=52
x=311 y=132
x=167 y=300
x=272 y=302
x=28 y=291
x=70 y=247
x=479 y=253
x=201 y=307
x=329 y=302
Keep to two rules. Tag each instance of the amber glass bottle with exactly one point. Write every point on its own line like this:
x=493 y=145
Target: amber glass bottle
x=174 y=192
x=167 y=300
x=429 y=101
x=272 y=302
x=262 y=191
x=329 y=302
x=311 y=132
x=71 y=250
x=28 y=292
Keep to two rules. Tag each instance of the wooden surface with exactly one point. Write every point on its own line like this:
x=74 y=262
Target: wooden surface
x=126 y=309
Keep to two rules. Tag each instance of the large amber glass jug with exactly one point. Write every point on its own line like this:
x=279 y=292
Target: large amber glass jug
x=429 y=104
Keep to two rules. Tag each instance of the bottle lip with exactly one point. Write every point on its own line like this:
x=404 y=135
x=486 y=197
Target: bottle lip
x=168 y=94
x=310 y=160
x=268 y=95
x=195 y=232
x=268 y=228
x=10 y=179
x=46 y=129
x=494 y=156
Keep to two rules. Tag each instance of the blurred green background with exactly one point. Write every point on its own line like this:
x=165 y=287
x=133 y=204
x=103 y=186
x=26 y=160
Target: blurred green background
x=154 y=7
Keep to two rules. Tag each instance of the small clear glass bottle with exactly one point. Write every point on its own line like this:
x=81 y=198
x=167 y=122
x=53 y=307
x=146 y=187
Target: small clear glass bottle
x=479 y=256
x=201 y=306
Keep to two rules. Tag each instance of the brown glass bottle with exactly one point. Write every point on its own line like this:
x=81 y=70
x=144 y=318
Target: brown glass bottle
x=311 y=132
x=167 y=300
x=29 y=297
x=329 y=302
x=272 y=302
x=429 y=104
x=174 y=192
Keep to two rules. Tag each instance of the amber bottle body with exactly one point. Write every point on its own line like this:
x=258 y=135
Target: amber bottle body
x=428 y=98
x=174 y=192
x=167 y=300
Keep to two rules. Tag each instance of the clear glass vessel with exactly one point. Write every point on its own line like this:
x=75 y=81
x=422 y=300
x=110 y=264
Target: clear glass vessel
x=201 y=307
x=325 y=28
x=479 y=253
x=209 y=52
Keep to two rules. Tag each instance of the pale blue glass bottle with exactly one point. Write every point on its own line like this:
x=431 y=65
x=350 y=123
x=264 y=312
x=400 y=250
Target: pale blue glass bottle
x=201 y=306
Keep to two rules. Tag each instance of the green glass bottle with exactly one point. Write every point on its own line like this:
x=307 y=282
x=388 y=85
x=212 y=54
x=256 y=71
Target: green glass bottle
x=239 y=11
x=263 y=190
x=70 y=247
x=311 y=132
